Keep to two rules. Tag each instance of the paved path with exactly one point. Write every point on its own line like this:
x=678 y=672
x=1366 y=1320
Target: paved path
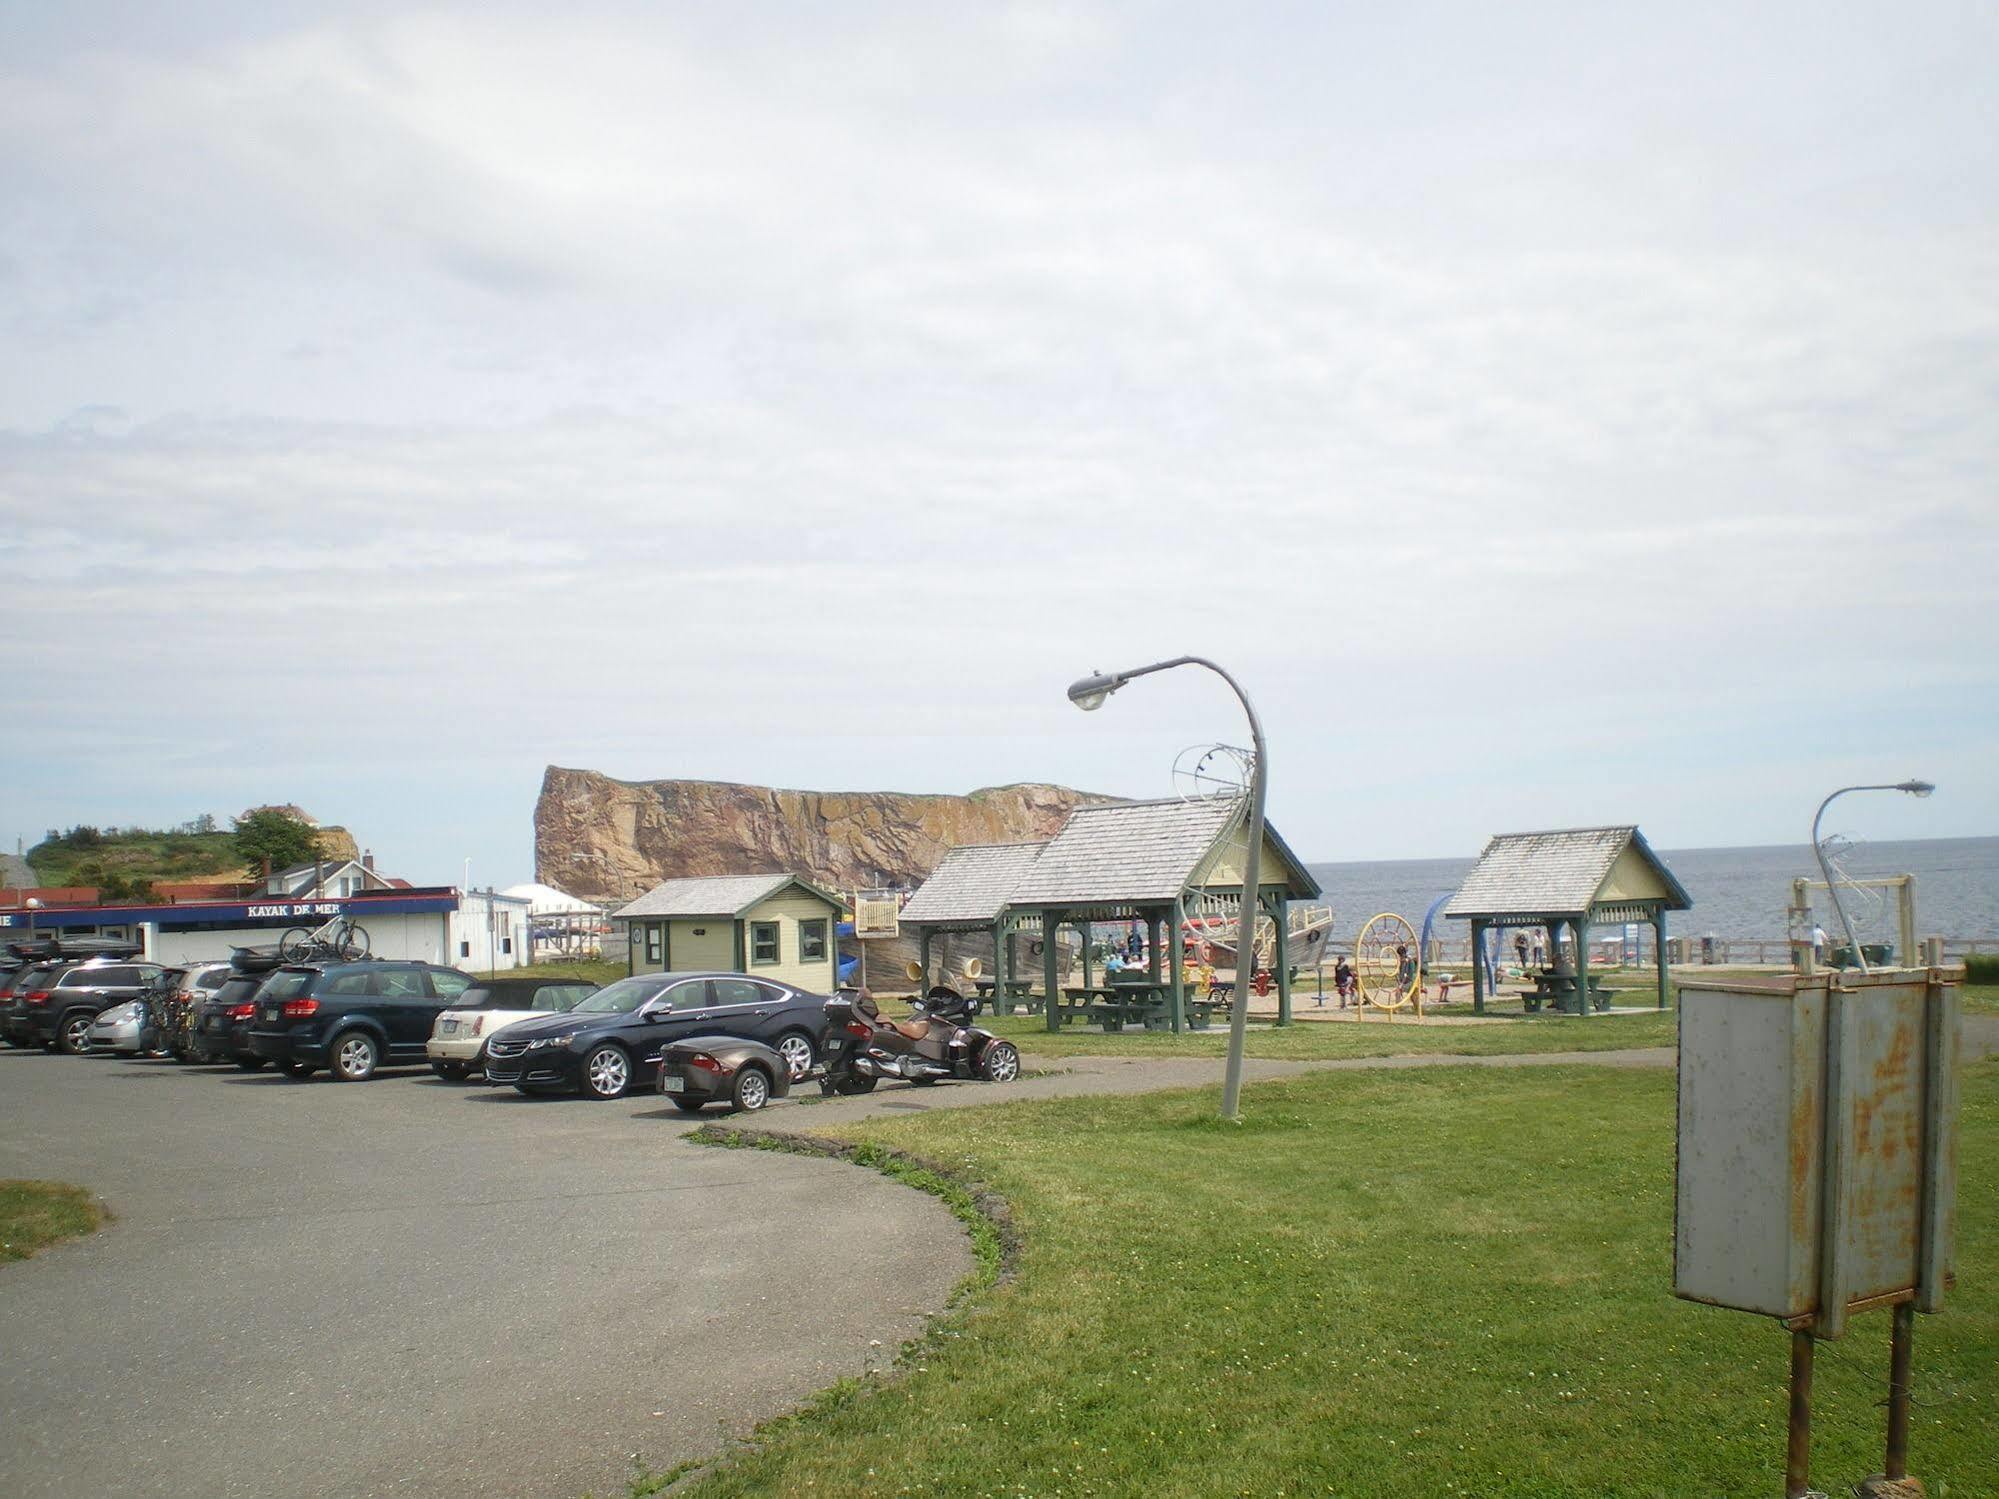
x=407 y=1286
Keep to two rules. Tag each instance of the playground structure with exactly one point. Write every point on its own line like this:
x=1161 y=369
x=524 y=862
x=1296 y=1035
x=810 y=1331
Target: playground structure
x=1388 y=965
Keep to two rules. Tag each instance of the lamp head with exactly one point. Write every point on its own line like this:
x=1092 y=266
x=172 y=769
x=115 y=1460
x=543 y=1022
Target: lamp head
x=33 y=903
x=1916 y=788
x=1088 y=693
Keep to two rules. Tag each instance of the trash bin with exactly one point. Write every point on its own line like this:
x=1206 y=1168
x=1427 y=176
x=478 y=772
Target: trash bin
x=1707 y=948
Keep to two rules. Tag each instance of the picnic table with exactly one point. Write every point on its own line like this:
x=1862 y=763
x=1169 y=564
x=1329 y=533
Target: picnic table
x=1018 y=992
x=1559 y=989
x=1118 y=1003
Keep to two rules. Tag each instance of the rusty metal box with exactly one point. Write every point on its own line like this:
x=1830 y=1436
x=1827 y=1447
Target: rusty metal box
x=1817 y=1130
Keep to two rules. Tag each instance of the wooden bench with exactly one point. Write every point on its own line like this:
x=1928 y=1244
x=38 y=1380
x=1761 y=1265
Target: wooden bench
x=1559 y=989
x=1018 y=992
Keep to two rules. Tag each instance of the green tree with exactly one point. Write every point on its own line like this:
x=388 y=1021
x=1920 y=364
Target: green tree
x=270 y=834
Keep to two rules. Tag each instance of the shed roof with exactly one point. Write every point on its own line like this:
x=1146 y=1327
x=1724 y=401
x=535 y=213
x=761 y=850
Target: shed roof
x=972 y=884
x=716 y=895
x=1128 y=853
x=1556 y=873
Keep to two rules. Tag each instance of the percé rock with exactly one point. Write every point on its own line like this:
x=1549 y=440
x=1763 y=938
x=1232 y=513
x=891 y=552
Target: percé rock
x=608 y=840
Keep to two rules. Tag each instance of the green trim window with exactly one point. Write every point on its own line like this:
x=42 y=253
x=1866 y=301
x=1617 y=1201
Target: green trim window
x=812 y=941
x=763 y=943
x=652 y=943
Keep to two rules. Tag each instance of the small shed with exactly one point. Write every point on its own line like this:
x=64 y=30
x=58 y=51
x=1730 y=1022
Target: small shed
x=776 y=926
x=1574 y=877
x=1149 y=862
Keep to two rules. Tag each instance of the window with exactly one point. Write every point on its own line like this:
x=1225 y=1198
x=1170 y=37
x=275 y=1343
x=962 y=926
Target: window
x=349 y=983
x=464 y=949
x=763 y=942
x=556 y=998
x=739 y=992
x=448 y=984
x=401 y=983
x=812 y=941
x=653 y=948
x=688 y=996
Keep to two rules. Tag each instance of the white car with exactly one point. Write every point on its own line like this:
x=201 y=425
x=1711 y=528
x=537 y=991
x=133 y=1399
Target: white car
x=457 y=1045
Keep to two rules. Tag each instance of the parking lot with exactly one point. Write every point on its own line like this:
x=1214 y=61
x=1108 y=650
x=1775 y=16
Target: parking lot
x=410 y=1286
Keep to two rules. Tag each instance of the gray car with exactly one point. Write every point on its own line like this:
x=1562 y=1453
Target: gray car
x=117 y=1029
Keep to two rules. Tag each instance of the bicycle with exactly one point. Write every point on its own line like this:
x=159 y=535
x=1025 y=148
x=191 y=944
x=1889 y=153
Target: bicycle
x=336 y=938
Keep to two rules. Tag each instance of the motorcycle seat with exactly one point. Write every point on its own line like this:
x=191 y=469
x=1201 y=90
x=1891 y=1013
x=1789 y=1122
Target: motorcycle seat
x=910 y=1030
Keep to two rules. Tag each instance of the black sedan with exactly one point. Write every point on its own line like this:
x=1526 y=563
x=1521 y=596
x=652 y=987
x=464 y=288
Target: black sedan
x=612 y=1041
x=735 y=1070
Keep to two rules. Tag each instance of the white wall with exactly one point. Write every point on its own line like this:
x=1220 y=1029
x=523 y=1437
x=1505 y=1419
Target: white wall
x=488 y=933
x=420 y=935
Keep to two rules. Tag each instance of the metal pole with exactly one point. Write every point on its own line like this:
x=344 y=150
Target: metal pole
x=1901 y=1360
x=1797 y=1452
x=1913 y=788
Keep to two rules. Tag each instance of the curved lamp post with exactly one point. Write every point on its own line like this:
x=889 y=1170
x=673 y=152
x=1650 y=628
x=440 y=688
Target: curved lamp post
x=1089 y=694
x=1913 y=788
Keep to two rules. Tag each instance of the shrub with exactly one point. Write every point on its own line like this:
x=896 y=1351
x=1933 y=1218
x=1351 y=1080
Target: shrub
x=1981 y=968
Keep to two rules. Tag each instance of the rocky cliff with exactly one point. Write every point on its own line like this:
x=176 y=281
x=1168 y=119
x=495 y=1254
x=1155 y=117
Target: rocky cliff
x=607 y=840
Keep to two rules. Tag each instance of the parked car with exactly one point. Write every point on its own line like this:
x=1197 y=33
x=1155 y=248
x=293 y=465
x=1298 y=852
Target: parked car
x=702 y=1070
x=17 y=1029
x=351 y=1018
x=613 y=1040
x=170 y=1017
x=118 y=1030
x=219 y=1026
x=458 y=1040
x=62 y=999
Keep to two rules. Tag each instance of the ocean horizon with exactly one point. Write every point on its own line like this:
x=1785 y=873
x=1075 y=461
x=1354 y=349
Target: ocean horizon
x=1740 y=893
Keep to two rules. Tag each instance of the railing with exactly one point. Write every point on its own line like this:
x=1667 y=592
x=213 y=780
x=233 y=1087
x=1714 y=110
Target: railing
x=1698 y=952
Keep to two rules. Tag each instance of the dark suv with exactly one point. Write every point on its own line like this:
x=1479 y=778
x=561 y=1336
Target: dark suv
x=351 y=1018
x=219 y=1026
x=59 y=1000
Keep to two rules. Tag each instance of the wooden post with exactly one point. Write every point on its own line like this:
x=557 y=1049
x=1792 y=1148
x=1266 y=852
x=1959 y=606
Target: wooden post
x=1084 y=928
x=1000 y=1005
x=1280 y=955
x=1477 y=966
x=1051 y=994
x=1905 y=904
x=923 y=959
x=1581 y=927
x=1176 y=993
x=1659 y=950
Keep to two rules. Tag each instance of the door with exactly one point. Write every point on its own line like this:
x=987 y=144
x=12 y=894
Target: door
x=706 y=943
x=686 y=1009
x=744 y=1007
x=409 y=1007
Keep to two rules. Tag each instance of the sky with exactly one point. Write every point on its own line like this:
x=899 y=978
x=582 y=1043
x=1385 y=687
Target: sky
x=1552 y=414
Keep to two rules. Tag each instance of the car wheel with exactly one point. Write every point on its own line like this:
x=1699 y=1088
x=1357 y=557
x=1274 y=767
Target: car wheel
x=796 y=1049
x=689 y=1105
x=251 y=1064
x=607 y=1072
x=752 y=1090
x=1001 y=1063
x=76 y=1034
x=296 y=1070
x=354 y=1057
x=851 y=1086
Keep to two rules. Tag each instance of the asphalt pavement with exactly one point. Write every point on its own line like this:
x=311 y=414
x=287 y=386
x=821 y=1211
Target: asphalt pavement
x=409 y=1286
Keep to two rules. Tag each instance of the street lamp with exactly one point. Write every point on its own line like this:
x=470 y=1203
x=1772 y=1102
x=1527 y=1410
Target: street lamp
x=1913 y=788
x=1089 y=693
x=34 y=904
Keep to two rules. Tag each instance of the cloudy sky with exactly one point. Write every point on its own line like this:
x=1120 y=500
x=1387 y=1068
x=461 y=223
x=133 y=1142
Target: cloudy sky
x=1552 y=413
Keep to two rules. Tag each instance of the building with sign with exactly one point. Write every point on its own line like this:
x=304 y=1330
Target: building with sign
x=477 y=930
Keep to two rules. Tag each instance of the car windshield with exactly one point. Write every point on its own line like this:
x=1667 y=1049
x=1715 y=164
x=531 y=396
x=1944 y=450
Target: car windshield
x=621 y=998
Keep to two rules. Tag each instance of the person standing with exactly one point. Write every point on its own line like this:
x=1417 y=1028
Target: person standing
x=1520 y=947
x=1818 y=943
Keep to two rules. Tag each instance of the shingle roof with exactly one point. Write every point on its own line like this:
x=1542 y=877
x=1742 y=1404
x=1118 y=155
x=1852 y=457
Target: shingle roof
x=710 y=895
x=1126 y=852
x=972 y=883
x=1544 y=874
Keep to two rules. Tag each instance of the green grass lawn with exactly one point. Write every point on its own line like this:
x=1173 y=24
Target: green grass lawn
x=588 y=972
x=1417 y=1283
x=34 y=1215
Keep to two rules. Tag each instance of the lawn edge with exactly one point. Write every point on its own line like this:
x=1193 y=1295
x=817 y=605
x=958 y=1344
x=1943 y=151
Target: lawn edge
x=101 y=1215
x=996 y=1244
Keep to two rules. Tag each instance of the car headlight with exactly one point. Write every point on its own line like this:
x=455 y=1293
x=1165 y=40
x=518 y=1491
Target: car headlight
x=541 y=1042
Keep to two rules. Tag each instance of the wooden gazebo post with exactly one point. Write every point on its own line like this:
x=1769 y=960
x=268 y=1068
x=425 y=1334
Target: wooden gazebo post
x=1176 y=991
x=1051 y=1003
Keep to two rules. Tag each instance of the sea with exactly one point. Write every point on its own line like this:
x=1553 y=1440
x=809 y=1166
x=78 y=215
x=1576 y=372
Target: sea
x=1739 y=894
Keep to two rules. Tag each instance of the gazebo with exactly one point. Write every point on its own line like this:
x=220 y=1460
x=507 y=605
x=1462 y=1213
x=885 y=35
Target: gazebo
x=1578 y=877
x=1148 y=862
x=967 y=894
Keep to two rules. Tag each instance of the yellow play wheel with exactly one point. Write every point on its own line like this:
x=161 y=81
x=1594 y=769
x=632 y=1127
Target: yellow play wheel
x=1387 y=963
